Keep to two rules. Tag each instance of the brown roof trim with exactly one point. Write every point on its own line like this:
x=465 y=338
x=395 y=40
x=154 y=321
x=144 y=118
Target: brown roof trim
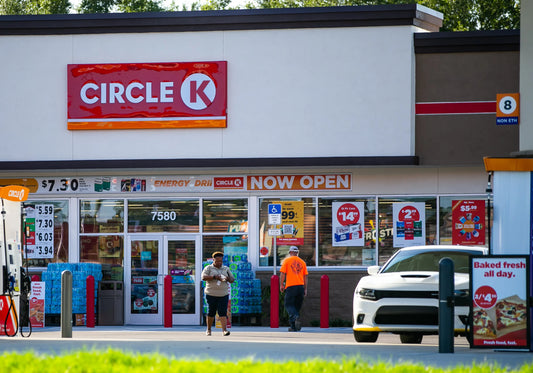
x=243 y=19
x=208 y=163
x=467 y=41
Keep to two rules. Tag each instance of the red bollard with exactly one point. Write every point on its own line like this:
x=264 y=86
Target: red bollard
x=167 y=310
x=274 y=301
x=90 y=320
x=324 y=301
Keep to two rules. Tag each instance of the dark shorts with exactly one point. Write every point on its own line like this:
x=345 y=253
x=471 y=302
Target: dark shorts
x=217 y=304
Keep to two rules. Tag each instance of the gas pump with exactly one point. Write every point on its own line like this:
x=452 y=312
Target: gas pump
x=14 y=281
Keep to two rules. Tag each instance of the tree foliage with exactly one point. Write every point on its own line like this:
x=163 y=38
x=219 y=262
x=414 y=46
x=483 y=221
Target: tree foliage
x=459 y=15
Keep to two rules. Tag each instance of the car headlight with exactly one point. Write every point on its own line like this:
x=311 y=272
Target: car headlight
x=367 y=294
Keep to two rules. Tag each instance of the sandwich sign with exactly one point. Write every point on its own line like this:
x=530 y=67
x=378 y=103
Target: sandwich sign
x=147 y=95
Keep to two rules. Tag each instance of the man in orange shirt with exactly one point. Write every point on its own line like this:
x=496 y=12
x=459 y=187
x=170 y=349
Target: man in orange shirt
x=293 y=281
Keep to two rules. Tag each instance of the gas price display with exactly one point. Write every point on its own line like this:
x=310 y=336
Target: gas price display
x=40 y=231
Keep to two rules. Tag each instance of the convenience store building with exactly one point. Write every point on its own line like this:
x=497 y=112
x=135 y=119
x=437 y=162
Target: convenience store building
x=160 y=138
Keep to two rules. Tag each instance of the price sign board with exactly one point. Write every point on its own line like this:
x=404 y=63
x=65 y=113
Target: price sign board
x=500 y=314
x=40 y=223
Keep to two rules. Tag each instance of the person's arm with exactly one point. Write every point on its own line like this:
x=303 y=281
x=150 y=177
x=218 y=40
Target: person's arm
x=305 y=285
x=207 y=277
x=230 y=277
x=281 y=281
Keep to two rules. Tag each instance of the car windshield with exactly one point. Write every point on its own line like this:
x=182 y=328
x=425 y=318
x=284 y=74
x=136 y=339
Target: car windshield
x=427 y=261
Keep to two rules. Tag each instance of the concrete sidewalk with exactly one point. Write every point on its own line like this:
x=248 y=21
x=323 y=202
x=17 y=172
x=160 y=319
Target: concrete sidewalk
x=258 y=343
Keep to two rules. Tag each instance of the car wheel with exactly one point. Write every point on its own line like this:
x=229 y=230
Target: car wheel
x=365 y=336
x=411 y=338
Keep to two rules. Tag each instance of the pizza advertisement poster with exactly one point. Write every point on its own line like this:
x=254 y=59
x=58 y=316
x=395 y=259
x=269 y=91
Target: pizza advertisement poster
x=409 y=224
x=500 y=317
x=468 y=222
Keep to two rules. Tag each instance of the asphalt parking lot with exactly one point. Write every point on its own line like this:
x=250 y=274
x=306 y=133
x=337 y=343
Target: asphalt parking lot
x=258 y=343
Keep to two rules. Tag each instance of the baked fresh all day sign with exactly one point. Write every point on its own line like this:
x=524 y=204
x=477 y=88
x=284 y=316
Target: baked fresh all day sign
x=147 y=95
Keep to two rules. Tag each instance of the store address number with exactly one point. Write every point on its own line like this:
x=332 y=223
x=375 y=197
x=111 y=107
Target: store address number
x=164 y=215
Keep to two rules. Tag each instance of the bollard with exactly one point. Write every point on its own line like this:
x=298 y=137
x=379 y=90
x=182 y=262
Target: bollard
x=324 y=301
x=167 y=290
x=274 y=301
x=90 y=320
x=446 y=305
x=66 y=304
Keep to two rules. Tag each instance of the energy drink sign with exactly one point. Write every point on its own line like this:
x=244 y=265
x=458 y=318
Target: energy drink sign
x=347 y=223
x=409 y=224
x=468 y=222
x=147 y=95
x=500 y=314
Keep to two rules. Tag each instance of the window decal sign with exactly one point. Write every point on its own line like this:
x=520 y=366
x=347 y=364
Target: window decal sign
x=468 y=222
x=348 y=223
x=500 y=314
x=147 y=95
x=409 y=224
x=292 y=223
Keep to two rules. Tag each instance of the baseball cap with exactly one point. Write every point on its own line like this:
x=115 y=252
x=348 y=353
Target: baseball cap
x=293 y=249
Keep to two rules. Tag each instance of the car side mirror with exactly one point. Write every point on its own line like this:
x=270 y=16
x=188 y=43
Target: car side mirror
x=373 y=270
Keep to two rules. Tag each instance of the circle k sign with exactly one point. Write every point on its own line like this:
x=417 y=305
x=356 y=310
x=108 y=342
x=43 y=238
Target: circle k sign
x=147 y=95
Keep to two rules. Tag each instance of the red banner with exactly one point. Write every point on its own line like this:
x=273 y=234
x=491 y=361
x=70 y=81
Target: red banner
x=468 y=222
x=147 y=95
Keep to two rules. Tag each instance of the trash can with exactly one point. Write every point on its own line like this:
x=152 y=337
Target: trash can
x=111 y=303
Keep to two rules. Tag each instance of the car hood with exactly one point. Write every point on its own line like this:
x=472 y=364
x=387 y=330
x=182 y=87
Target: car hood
x=409 y=281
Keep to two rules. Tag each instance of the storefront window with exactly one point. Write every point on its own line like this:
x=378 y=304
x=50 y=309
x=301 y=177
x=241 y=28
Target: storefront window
x=298 y=228
x=346 y=231
x=104 y=216
x=409 y=221
x=226 y=215
x=231 y=245
x=106 y=250
x=163 y=216
x=101 y=216
x=464 y=220
x=47 y=232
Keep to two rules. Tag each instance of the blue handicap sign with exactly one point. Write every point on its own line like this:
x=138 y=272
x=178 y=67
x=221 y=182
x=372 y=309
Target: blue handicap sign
x=274 y=209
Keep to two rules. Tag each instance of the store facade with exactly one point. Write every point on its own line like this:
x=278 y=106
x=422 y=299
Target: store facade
x=159 y=139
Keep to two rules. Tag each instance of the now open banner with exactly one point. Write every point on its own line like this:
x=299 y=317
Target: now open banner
x=147 y=95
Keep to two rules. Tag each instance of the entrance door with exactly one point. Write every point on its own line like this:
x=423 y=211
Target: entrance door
x=149 y=259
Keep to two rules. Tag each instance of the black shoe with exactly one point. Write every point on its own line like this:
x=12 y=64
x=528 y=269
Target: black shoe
x=292 y=329
x=298 y=325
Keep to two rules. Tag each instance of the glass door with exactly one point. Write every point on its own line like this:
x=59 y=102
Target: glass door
x=143 y=277
x=182 y=259
x=149 y=259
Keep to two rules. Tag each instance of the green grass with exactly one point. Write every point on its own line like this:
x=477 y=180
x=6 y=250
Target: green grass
x=119 y=362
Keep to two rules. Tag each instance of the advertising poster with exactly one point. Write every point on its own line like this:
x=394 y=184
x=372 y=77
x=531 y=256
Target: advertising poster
x=37 y=304
x=348 y=223
x=468 y=222
x=499 y=289
x=292 y=223
x=409 y=224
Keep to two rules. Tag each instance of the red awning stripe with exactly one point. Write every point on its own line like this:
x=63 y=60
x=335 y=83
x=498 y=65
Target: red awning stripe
x=469 y=107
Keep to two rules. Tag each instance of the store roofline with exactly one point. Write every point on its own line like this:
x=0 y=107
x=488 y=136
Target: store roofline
x=208 y=163
x=221 y=20
x=467 y=41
